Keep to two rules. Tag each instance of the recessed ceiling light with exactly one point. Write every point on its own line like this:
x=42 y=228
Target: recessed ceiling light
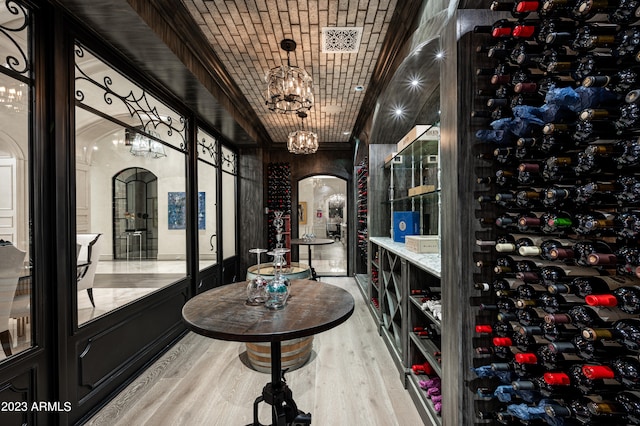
x=359 y=88
x=346 y=133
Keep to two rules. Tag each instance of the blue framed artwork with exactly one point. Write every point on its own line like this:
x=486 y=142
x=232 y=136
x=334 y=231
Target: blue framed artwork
x=177 y=209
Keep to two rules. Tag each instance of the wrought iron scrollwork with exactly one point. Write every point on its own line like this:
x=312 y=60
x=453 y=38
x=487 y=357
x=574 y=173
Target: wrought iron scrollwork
x=139 y=106
x=230 y=162
x=17 y=62
x=209 y=147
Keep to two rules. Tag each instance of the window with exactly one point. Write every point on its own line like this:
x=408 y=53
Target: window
x=130 y=189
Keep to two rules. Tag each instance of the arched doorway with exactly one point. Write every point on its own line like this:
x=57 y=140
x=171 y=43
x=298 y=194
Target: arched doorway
x=322 y=211
x=135 y=214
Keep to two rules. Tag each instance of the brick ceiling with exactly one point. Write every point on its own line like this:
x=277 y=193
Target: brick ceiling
x=246 y=35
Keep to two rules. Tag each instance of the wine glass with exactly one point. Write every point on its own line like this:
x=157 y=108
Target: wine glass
x=257 y=287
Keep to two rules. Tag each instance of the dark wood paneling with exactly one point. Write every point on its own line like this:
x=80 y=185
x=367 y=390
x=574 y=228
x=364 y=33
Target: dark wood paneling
x=17 y=398
x=458 y=224
x=251 y=207
x=337 y=163
x=176 y=57
x=112 y=350
x=402 y=25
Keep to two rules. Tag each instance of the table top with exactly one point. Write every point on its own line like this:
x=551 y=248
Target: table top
x=312 y=307
x=314 y=242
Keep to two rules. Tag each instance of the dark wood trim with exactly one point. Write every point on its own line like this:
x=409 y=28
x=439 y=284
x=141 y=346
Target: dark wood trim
x=403 y=24
x=173 y=23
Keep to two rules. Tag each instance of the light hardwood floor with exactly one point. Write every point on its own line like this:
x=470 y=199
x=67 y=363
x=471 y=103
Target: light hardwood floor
x=349 y=380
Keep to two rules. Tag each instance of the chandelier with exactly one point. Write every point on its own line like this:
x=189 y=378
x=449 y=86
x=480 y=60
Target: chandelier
x=302 y=141
x=141 y=146
x=289 y=88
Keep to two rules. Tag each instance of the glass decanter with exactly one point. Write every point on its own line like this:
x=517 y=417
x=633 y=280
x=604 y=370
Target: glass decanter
x=278 y=287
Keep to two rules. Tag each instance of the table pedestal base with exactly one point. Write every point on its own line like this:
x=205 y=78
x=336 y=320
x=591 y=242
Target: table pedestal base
x=284 y=410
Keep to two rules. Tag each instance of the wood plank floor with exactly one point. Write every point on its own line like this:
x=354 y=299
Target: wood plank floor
x=349 y=380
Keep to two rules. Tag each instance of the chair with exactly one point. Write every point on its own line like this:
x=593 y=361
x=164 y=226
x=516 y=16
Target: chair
x=333 y=231
x=89 y=254
x=11 y=267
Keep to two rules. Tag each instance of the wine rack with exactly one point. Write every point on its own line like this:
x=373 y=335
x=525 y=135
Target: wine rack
x=391 y=310
x=402 y=283
x=278 y=196
x=556 y=159
x=362 y=176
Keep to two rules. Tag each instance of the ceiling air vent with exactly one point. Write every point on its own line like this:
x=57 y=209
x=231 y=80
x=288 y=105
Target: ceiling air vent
x=341 y=39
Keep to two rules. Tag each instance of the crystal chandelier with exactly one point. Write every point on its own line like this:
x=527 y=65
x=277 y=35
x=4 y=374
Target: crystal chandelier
x=141 y=146
x=289 y=88
x=302 y=141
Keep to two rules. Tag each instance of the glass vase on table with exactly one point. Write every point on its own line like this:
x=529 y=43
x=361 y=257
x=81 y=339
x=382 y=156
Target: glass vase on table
x=278 y=287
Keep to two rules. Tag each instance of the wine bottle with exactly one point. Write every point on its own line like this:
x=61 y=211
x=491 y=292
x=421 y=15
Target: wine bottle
x=583 y=251
x=560 y=8
x=553 y=360
x=587 y=411
x=538 y=31
x=486 y=371
x=587 y=350
x=506 y=393
x=550 y=303
x=554 y=274
x=523 y=342
x=551 y=332
x=620 y=82
x=517 y=244
x=586 y=37
x=585 y=384
x=627 y=299
x=500 y=329
x=630 y=401
x=583 y=66
x=529 y=316
x=574 y=378
x=500 y=29
x=544 y=145
x=586 y=316
x=624 y=331
x=625 y=370
x=627 y=152
x=625 y=259
x=520 y=369
x=549 y=388
x=544 y=248
x=593 y=223
x=584 y=286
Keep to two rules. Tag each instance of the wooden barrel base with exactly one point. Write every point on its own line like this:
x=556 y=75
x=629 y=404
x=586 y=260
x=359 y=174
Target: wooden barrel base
x=295 y=353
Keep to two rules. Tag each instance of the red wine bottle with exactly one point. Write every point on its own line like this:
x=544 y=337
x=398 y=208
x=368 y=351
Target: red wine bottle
x=584 y=286
x=625 y=370
x=627 y=299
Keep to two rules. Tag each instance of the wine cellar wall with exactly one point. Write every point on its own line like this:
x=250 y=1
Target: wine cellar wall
x=279 y=195
x=553 y=143
x=362 y=178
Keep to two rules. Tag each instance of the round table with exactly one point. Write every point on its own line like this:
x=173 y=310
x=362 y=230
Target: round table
x=309 y=243
x=293 y=271
x=312 y=307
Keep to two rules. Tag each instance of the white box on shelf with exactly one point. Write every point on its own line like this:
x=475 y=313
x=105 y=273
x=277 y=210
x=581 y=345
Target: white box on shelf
x=422 y=243
x=422 y=132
